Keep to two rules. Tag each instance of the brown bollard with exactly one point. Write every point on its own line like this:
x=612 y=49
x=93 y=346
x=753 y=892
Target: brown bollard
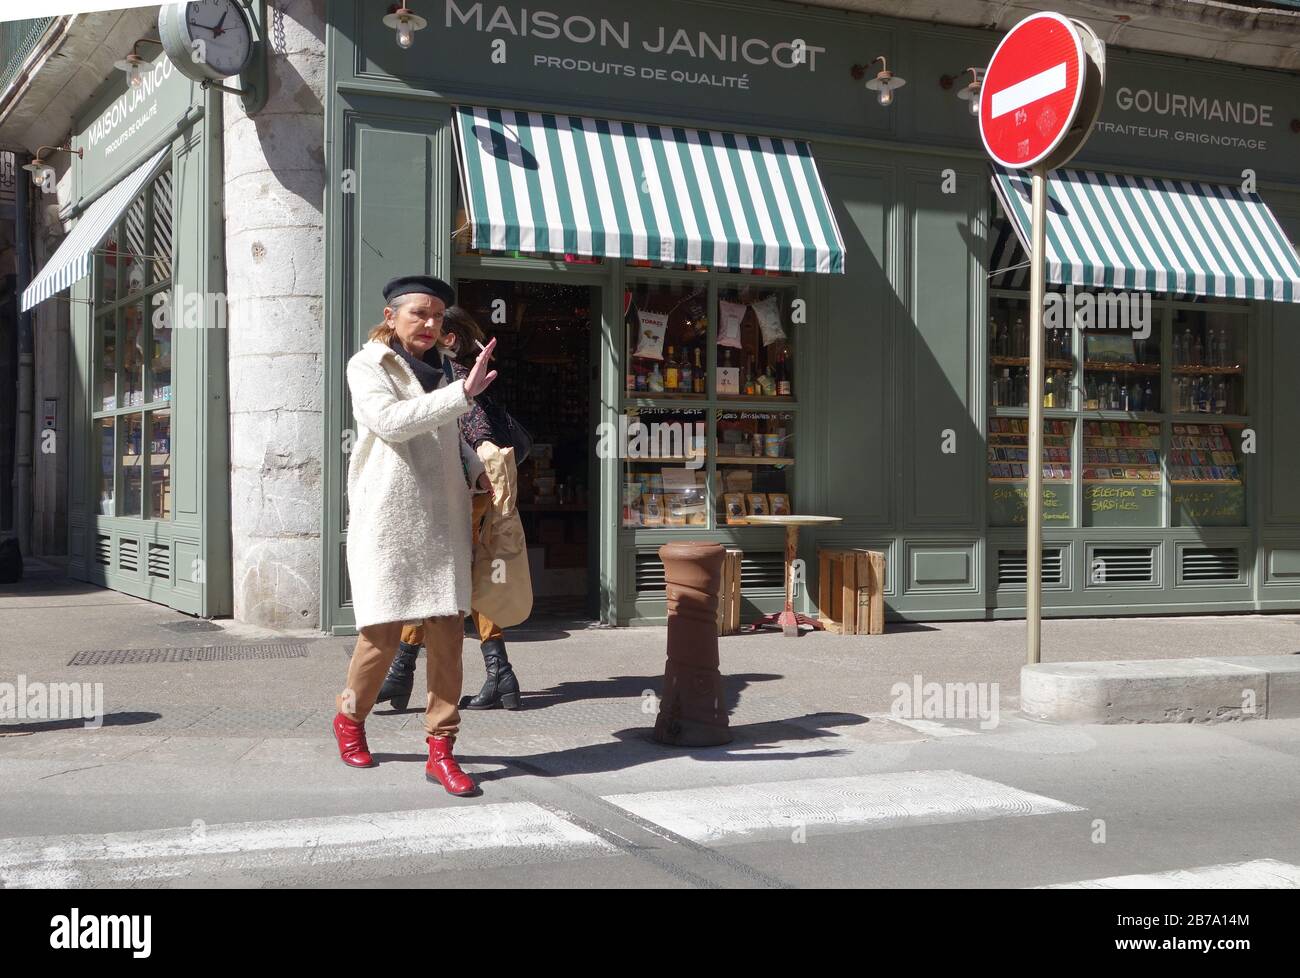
x=692 y=712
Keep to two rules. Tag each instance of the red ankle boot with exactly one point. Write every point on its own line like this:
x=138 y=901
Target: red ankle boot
x=351 y=737
x=442 y=768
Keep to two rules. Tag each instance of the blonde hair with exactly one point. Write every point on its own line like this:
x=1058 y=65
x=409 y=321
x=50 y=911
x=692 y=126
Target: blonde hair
x=385 y=330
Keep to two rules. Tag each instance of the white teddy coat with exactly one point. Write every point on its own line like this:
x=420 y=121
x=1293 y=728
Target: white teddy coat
x=408 y=544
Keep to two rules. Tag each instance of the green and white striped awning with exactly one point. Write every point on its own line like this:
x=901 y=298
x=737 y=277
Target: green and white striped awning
x=561 y=184
x=1115 y=231
x=70 y=262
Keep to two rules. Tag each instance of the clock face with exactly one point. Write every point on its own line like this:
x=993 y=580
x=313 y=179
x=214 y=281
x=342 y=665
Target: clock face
x=219 y=40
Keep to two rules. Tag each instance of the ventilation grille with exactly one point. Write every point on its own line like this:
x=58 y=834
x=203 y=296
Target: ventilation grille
x=649 y=574
x=160 y=561
x=759 y=570
x=1013 y=567
x=1203 y=565
x=1121 y=565
x=763 y=570
x=128 y=555
x=103 y=549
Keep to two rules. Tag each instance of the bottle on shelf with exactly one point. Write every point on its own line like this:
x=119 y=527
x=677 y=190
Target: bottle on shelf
x=1020 y=341
x=995 y=338
x=1149 y=398
x=655 y=382
x=784 y=387
x=1221 y=397
x=686 y=375
x=751 y=382
x=698 y=374
x=670 y=371
x=1198 y=351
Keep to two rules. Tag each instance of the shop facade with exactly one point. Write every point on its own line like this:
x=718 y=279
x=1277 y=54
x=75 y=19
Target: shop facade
x=141 y=276
x=885 y=392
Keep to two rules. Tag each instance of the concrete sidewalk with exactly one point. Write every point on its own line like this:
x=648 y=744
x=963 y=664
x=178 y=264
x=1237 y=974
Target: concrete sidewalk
x=47 y=620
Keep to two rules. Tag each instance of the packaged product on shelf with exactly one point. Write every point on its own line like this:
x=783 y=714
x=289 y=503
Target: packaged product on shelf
x=768 y=312
x=653 y=326
x=730 y=316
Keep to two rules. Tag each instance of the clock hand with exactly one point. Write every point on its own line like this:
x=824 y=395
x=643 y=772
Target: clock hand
x=218 y=31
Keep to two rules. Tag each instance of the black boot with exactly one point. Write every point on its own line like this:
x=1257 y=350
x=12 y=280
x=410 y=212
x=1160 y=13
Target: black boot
x=400 y=678
x=501 y=688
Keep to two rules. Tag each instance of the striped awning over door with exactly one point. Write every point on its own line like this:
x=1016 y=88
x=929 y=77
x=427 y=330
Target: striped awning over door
x=70 y=262
x=1116 y=231
x=561 y=184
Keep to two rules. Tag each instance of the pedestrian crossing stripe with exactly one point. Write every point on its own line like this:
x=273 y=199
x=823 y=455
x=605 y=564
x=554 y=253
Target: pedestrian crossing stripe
x=1257 y=874
x=715 y=813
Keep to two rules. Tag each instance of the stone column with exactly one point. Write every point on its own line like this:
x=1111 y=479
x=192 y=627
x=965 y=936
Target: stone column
x=274 y=178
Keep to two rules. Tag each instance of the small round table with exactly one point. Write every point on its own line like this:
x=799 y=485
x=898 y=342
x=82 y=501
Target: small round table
x=788 y=619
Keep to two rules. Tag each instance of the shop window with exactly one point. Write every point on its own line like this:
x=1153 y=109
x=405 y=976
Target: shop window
x=160 y=465
x=666 y=326
x=1209 y=363
x=665 y=482
x=1121 y=370
x=106 y=467
x=1206 y=475
x=1121 y=473
x=1008 y=339
x=754 y=343
x=133 y=359
x=755 y=455
x=1008 y=465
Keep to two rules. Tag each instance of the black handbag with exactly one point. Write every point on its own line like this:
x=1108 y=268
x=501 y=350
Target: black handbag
x=520 y=440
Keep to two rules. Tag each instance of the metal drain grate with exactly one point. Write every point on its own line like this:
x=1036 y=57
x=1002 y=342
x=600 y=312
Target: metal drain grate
x=208 y=653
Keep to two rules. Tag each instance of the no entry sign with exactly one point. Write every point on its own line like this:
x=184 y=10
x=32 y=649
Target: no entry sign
x=1032 y=90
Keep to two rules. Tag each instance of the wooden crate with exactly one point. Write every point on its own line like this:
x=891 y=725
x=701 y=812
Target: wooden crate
x=851 y=591
x=729 y=593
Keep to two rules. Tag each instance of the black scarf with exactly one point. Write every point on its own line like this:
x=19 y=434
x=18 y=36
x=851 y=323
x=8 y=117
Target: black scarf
x=430 y=370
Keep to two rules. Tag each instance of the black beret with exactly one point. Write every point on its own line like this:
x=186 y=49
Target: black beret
x=420 y=285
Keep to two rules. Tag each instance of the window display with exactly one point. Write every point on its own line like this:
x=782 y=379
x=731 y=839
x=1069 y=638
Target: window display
x=1121 y=473
x=667 y=327
x=1008 y=458
x=1209 y=362
x=1206 y=475
x=133 y=359
x=665 y=482
x=1009 y=358
x=1121 y=372
x=754 y=348
x=755 y=451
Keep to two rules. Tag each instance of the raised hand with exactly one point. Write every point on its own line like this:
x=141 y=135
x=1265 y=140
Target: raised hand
x=479 y=375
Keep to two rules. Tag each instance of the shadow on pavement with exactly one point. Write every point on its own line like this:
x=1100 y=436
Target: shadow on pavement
x=129 y=719
x=636 y=745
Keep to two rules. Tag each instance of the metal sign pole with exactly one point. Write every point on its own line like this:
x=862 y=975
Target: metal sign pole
x=1034 y=529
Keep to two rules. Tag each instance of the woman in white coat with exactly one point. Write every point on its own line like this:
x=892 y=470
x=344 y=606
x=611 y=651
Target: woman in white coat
x=409 y=516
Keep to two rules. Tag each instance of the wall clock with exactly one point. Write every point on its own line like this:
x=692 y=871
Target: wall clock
x=207 y=40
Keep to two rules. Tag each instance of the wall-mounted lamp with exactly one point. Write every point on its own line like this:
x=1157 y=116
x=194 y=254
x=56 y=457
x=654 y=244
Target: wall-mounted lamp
x=133 y=64
x=970 y=94
x=885 y=81
x=406 y=22
x=40 y=170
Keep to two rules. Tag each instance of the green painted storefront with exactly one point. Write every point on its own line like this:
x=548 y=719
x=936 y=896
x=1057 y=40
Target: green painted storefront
x=149 y=483
x=892 y=370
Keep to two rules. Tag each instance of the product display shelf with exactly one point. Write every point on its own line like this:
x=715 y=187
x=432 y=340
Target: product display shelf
x=1121 y=452
x=1104 y=366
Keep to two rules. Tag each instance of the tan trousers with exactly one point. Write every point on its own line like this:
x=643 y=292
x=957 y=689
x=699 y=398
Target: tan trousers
x=487 y=629
x=375 y=651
